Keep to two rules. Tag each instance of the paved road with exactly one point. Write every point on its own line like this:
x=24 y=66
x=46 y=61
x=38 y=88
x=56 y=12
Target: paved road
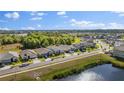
x=16 y=70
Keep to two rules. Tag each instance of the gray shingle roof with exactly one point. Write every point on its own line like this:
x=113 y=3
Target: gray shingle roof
x=8 y=55
x=42 y=50
x=61 y=47
x=27 y=52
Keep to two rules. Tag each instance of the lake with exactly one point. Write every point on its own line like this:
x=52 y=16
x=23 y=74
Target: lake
x=99 y=73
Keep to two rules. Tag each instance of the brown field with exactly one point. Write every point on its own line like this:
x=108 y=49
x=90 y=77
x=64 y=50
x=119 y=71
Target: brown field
x=10 y=47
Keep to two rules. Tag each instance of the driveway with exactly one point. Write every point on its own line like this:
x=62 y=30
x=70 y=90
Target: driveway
x=36 y=60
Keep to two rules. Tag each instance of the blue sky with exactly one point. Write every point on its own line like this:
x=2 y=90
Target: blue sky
x=38 y=20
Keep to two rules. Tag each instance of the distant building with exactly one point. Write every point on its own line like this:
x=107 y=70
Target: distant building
x=8 y=57
x=119 y=51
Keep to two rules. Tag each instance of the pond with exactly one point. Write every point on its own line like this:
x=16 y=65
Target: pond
x=104 y=72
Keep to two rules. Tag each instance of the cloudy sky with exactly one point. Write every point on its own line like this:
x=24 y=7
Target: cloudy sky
x=21 y=20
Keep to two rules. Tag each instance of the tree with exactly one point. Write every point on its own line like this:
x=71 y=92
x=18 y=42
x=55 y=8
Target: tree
x=45 y=43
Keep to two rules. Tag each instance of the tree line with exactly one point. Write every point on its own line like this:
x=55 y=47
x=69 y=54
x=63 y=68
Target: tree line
x=38 y=39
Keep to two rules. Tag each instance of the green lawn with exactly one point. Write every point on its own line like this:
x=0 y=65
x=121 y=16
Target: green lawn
x=57 y=56
x=42 y=59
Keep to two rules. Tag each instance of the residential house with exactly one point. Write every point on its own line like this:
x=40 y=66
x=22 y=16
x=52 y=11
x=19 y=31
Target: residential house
x=56 y=50
x=8 y=57
x=83 y=45
x=43 y=52
x=79 y=47
x=88 y=44
x=28 y=54
x=66 y=48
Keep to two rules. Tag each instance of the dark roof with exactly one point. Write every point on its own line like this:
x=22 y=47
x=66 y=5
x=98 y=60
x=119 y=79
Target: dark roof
x=65 y=47
x=28 y=52
x=54 y=48
x=8 y=55
x=42 y=50
x=61 y=47
x=87 y=43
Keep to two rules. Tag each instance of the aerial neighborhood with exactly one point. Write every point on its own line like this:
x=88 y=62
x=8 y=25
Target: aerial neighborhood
x=39 y=48
x=61 y=45
x=46 y=52
x=74 y=43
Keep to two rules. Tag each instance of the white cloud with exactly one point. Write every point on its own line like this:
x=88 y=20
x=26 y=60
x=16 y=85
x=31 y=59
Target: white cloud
x=13 y=15
x=120 y=13
x=35 y=13
x=94 y=25
x=40 y=14
x=85 y=24
x=79 y=23
x=114 y=25
x=90 y=24
x=38 y=25
x=4 y=28
x=36 y=18
x=28 y=28
x=61 y=13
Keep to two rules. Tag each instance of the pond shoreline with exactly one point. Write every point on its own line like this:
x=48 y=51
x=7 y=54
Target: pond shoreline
x=105 y=72
x=77 y=70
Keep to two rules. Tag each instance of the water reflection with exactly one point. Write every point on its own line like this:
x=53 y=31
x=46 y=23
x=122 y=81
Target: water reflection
x=99 y=73
x=89 y=76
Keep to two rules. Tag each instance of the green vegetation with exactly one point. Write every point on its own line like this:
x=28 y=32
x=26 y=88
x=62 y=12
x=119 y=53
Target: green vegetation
x=122 y=36
x=118 y=62
x=9 y=39
x=38 y=39
x=42 y=59
x=30 y=61
x=57 y=56
x=98 y=45
x=77 y=40
x=14 y=64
